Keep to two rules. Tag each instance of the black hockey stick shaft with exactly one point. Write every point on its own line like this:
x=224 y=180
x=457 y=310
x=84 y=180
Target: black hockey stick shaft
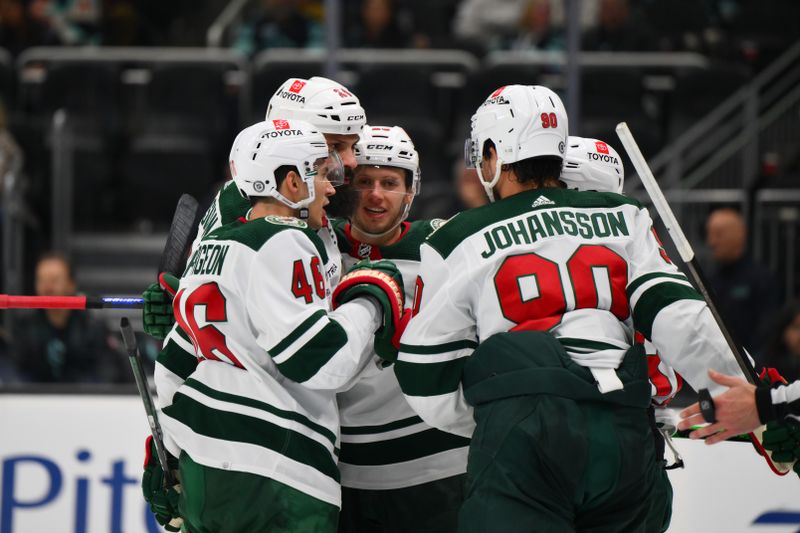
x=135 y=358
x=682 y=245
x=179 y=237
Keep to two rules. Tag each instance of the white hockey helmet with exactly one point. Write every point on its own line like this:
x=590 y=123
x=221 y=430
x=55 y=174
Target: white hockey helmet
x=326 y=104
x=390 y=146
x=523 y=121
x=259 y=150
x=592 y=165
x=387 y=146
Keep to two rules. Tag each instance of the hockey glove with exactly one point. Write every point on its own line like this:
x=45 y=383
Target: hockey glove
x=157 y=313
x=380 y=280
x=163 y=500
x=783 y=440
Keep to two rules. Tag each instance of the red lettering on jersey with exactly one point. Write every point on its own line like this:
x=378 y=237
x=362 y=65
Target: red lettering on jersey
x=281 y=124
x=602 y=148
x=297 y=86
x=497 y=92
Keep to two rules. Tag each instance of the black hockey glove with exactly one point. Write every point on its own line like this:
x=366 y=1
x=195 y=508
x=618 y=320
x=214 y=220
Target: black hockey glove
x=163 y=500
x=382 y=281
x=157 y=312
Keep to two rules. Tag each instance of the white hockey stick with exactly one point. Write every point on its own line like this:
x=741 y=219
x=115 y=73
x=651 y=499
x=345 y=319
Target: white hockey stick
x=687 y=255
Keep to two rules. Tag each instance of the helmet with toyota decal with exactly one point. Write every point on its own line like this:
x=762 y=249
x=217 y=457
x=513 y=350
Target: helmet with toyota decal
x=523 y=122
x=262 y=155
x=592 y=165
x=326 y=104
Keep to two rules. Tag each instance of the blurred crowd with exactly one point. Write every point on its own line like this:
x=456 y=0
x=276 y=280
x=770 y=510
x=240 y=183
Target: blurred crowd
x=723 y=28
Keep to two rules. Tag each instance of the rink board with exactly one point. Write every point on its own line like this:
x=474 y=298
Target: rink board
x=72 y=464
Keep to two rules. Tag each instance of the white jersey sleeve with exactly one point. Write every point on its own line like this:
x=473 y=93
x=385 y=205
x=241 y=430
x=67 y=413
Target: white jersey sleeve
x=436 y=343
x=310 y=344
x=672 y=314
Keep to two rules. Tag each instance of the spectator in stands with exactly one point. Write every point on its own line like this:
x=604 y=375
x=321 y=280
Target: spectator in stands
x=59 y=345
x=279 y=24
x=618 y=29
x=783 y=346
x=748 y=292
x=379 y=27
x=69 y=22
x=13 y=26
x=535 y=30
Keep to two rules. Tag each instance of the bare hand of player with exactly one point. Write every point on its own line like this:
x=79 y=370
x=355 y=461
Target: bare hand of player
x=735 y=411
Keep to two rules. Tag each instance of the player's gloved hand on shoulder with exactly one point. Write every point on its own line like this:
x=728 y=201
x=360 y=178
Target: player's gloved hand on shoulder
x=382 y=281
x=783 y=440
x=157 y=311
x=163 y=501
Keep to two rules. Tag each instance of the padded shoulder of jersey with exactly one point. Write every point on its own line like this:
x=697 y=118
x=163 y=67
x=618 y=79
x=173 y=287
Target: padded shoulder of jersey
x=255 y=233
x=445 y=239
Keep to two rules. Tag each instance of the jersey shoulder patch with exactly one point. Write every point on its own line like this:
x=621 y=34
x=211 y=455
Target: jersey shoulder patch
x=286 y=221
x=255 y=233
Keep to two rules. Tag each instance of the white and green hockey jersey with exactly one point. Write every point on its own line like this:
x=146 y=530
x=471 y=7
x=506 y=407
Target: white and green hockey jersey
x=254 y=302
x=385 y=444
x=176 y=360
x=584 y=266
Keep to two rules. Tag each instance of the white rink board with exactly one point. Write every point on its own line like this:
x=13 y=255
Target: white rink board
x=724 y=488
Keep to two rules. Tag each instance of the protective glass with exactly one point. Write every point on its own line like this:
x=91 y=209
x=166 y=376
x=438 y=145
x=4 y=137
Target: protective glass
x=470 y=153
x=330 y=168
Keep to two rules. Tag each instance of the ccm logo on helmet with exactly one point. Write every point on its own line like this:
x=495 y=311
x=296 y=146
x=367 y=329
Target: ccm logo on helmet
x=286 y=95
x=355 y=117
x=601 y=147
x=602 y=157
x=378 y=147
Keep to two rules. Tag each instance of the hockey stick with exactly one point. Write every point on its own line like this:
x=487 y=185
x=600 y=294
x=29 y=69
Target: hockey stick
x=178 y=240
x=686 y=252
x=135 y=358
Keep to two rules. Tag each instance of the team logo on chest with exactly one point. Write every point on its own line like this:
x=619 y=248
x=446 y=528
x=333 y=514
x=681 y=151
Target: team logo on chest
x=364 y=250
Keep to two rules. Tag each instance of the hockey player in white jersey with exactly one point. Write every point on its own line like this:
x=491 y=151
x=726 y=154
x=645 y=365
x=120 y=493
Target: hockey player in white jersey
x=522 y=330
x=398 y=473
x=255 y=425
x=333 y=110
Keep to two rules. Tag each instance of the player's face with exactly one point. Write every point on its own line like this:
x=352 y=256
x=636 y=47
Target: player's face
x=382 y=197
x=343 y=145
x=316 y=210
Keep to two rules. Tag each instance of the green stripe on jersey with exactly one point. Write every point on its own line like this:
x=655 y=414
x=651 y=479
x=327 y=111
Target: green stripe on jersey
x=437 y=348
x=177 y=360
x=467 y=223
x=401 y=449
x=234 y=427
x=638 y=282
x=383 y=428
x=657 y=298
x=249 y=402
x=255 y=233
x=586 y=344
x=276 y=350
x=429 y=379
x=313 y=355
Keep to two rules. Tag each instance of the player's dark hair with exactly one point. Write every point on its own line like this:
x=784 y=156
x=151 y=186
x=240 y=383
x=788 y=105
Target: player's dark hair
x=280 y=174
x=539 y=170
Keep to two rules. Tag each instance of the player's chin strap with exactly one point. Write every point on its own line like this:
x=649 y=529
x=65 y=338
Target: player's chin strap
x=488 y=186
